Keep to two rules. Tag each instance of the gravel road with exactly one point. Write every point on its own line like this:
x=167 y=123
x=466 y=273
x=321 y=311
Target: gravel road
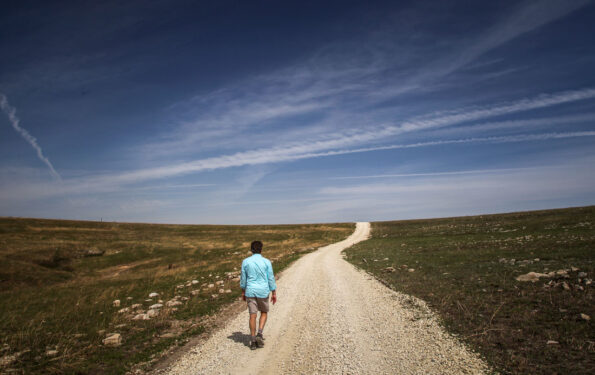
x=333 y=318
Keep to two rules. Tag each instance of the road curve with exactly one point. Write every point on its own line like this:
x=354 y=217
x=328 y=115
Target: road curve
x=334 y=318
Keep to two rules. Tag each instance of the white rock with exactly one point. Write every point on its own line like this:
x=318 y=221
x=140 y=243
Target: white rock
x=228 y=291
x=531 y=276
x=220 y=282
x=211 y=286
x=141 y=317
x=194 y=282
x=552 y=342
x=214 y=296
x=411 y=270
x=116 y=303
x=124 y=310
x=221 y=291
x=173 y=303
x=153 y=295
x=152 y=313
x=129 y=298
x=136 y=306
x=115 y=339
x=585 y=317
x=156 y=306
x=195 y=292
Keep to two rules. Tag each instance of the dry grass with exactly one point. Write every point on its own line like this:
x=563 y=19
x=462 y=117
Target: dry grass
x=54 y=297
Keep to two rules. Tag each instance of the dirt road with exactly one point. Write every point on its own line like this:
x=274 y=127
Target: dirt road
x=333 y=318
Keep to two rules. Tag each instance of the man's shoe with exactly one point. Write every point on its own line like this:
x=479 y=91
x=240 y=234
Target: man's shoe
x=260 y=340
x=253 y=345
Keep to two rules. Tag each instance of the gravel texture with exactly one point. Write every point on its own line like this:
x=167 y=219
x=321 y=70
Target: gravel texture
x=333 y=318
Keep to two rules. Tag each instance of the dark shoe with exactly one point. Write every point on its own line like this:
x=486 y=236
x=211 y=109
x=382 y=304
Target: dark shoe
x=253 y=345
x=260 y=340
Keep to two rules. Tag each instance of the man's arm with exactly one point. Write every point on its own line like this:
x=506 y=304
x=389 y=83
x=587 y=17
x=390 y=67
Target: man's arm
x=243 y=278
x=272 y=283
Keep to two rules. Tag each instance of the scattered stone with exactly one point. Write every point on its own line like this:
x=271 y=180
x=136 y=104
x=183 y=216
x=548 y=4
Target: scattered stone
x=129 y=298
x=167 y=335
x=411 y=270
x=115 y=339
x=173 y=303
x=221 y=291
x=385 y=259
x=389 y=269
x=181 y=286
x=153 y=295
x=561 y=272
x=120 y=326
x=124 y=310
x=116 y=303
x=195 y=292
x=151 y=313
x=536 y=260
x=574 y=269
x=211 y=286
x=93 y=253
x=101 y=332
x=184 y=298
x=220 y=282
x=160 y=301
x=531 y=276
x=136 y=306
x=565 y=286
x=194 y=282
x=582 y=274
x=214 y=296
x=8 y=359
x=78 y=335
x=156 y=306
x=404 y=266
x=552 y=342
x=141 y=317
x=149 y=300
x=227 y=290
x=585 y=317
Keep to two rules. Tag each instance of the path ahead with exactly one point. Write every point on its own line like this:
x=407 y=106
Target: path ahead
x=333 y=318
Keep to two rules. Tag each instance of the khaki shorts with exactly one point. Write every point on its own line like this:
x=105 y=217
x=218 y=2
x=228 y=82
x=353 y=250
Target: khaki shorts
x=256 y=304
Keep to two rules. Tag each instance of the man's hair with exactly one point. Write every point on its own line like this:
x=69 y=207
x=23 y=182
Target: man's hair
x=256 y=247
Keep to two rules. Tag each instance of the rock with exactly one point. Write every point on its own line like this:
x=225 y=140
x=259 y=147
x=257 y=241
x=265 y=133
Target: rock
x=389 y=269
x=141 y=317
x=116 y=303
x=536 y=260
x=531 y=276
x=214 y=296
x=124 y=310
x=149 y=300
x=411 y=270
x=552 y=342
x=585 y=317
x=235 y=279
x=7 y=360
x=565 y=286
x=115 y=339
x=195 y=292
x=574 y=269
x=582 y=274
x=211 y=286
x=101 y=332
x=51 y=353
x=93 y=253
x=151 y=313
x=404 y=266
x=194 y=282
x=156 y=306
x=385 y=259
x=120 y=326
x=173 y=303
x=153 y=295
x=227 y=290
x=160 y=301
x=561 y=272
x=78 y=335
x=136 y=306
x=220 y=282
x=167 y=335
x=221 y=291
x=181 y=286
x=129 y=298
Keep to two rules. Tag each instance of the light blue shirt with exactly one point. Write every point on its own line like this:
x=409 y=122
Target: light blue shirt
x=257 y=277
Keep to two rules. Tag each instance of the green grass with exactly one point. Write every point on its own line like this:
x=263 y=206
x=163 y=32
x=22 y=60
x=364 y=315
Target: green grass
x=54 y=297
x=458 y=271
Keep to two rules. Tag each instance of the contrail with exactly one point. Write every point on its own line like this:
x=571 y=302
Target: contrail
x=14 y=120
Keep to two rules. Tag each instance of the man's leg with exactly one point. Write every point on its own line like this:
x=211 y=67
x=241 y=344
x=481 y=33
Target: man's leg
x=253 y=325
x=262 y=322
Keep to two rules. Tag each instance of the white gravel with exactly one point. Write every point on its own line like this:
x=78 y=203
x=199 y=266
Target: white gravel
x=333 y=318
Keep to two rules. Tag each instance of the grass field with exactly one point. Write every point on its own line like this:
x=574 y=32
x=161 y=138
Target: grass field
x=58 y=299
x=466 y=269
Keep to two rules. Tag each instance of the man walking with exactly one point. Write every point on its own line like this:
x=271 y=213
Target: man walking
x=257 y=281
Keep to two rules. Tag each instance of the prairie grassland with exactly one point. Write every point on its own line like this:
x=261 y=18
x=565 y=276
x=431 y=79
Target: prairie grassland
x=466 y=269
x=58 y=302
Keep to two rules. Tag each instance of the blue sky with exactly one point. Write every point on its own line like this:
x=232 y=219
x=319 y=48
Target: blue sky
x=289 y=112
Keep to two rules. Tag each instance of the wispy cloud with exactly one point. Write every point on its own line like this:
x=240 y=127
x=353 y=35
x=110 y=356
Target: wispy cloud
x=10 y=111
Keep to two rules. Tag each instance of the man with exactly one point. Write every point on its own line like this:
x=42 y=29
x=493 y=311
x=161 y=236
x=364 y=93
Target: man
x=257 y=281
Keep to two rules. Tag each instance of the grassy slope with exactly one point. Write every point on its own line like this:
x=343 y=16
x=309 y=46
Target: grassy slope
x=54 y=297
x=459 y=273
